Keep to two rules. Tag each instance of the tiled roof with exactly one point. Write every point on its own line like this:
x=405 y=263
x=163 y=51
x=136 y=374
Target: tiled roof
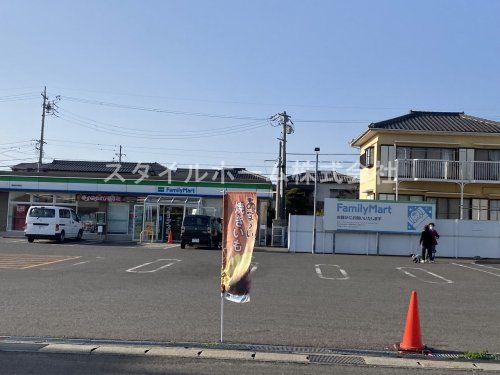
x=88 y=166
x=324 y=177
x=97 y=169
x=439 y=122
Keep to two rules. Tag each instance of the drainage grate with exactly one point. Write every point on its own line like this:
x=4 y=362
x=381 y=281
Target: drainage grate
x=337 y=359
x=447 y=355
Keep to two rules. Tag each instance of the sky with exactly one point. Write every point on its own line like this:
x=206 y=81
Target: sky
x=194 y=82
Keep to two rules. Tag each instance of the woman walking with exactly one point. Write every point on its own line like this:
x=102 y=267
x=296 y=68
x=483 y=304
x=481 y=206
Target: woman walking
x=426 y=242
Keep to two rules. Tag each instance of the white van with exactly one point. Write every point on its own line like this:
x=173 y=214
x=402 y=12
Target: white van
x=52 y=222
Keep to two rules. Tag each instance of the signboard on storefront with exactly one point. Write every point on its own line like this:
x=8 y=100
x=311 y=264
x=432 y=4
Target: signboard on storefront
x=177 y=190
x=377 y=216
x=100 y=198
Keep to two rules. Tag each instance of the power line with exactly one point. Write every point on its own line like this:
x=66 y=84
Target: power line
x=309 y=154
x=158 y=110
x=145 y=131
x=162 y=148
x=202 y=134
x=200 y=114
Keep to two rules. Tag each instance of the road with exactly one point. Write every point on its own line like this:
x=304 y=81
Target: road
x=60 y=364
x=87 y=290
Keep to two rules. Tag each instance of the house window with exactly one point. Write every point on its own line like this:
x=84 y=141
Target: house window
x=410 y=198
x=449 y=208
x=432 y=153
x=366 y=159
x=480 y=209
x=487 y=155
x=495 y=209
x=387 y=197
x=370 y=196
x=387 y=157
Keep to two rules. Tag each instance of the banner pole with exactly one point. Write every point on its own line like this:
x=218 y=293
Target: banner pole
x=221 y=316
x=222 y=263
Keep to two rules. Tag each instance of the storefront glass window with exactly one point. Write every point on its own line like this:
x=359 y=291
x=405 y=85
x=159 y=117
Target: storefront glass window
x=65 y=198
x=20 y=197
x=87 y=212
x=118 y=218
x=43 y=198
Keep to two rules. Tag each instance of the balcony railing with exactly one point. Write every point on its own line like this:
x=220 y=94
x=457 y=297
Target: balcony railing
x=427 y=169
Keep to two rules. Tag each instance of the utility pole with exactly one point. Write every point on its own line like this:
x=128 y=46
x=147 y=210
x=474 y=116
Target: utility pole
x=49 y=107
x=42 y=131
x=313 y=249
x=120 y=154
x=277 y=214
x=284 y=120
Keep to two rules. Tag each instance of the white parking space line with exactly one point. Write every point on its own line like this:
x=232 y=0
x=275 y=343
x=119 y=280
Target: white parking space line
x=490 y=267
x=66 y=266
x=136 y=269
x=408 y=273
x=79 y=263
x=476 y=269
x=345 y=275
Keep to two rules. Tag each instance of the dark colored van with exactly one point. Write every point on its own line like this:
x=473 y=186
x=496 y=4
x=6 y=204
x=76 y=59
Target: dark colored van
x=201 y=230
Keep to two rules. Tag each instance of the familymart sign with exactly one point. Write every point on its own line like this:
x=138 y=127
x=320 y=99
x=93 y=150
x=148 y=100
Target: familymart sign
x=99 y=186
x=377 y=216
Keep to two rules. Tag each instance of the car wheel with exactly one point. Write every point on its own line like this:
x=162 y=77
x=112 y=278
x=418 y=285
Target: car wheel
x=183 y=245
x=61 y=237
x=31 y=239
x=80 y=235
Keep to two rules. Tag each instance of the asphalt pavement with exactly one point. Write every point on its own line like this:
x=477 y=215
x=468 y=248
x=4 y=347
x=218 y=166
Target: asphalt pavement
x=163 y=293
x=63 y=364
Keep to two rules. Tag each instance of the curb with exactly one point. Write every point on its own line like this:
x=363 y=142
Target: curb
x=146 y=349
x=487 y=261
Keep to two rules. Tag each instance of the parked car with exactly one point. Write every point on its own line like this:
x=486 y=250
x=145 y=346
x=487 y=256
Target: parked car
x=201 y=230
x=52 y=222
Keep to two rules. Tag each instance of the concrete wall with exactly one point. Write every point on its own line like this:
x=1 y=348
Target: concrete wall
x=4 y=205
x=459 y=238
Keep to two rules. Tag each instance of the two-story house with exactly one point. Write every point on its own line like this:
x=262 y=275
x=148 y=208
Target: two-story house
x=331 y=184
x=449 y=158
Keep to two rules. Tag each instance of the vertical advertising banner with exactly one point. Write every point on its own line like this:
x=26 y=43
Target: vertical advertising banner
x=240 y=228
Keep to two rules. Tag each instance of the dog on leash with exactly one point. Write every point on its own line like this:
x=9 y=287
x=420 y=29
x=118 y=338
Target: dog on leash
x=416 y=258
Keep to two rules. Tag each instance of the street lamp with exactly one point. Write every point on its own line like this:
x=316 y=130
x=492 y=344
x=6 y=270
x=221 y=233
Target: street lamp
x=313 y=250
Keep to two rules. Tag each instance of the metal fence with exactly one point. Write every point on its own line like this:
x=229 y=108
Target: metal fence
x=428 y=169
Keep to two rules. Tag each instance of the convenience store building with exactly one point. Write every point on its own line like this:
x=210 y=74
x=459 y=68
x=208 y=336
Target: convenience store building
x=128 y=195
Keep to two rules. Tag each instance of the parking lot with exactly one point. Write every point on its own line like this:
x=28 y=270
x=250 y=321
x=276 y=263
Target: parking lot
x=160 y=292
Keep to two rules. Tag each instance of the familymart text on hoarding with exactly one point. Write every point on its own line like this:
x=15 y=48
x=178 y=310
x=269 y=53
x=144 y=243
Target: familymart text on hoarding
x=377 y=216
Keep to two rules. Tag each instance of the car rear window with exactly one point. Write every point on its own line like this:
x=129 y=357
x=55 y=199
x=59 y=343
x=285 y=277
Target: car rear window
x=192 y=221
x=42 y=212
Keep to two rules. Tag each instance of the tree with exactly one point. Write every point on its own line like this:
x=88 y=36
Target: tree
x=296 y=202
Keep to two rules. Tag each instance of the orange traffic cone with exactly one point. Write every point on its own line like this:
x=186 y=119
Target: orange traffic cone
x=412 y=337
x=170 y=239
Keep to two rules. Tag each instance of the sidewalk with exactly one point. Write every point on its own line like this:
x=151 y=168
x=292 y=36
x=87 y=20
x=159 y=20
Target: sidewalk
x=269 y=249
x=12 y=234
x=248 y=352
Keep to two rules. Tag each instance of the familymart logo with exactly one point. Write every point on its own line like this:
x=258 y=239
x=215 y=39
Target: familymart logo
x=364 y=209
x=176 y=190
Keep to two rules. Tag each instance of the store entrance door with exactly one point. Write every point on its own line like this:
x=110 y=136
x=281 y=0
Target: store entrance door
x=171 y=219
x=160 y=214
